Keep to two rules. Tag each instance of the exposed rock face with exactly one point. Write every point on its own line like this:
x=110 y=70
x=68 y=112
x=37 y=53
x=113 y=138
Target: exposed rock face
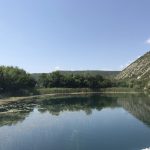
x=138 y=69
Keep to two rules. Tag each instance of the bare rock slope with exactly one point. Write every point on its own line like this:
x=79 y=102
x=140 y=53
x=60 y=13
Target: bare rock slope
x=138 y=70
x=137 y=73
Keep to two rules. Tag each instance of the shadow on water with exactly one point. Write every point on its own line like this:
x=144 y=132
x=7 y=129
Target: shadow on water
x=137 y=105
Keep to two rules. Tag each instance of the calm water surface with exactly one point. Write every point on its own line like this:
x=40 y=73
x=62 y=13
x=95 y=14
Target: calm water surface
x=91 y=122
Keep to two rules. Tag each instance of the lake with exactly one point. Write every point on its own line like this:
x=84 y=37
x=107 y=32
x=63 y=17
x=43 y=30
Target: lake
x=79 y=122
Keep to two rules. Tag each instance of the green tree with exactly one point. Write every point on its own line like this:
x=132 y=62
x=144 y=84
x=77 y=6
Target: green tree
x=13 y=79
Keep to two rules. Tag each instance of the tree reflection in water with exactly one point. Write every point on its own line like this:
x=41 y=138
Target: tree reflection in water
x=137 y=105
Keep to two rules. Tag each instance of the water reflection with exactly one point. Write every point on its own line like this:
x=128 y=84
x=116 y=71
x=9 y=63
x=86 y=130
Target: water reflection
x=12 y=118
x=138 y=106
x=86 y=104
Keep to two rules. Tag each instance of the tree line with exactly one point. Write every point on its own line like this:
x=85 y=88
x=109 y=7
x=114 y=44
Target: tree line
x=56 y=79
x=15 y=79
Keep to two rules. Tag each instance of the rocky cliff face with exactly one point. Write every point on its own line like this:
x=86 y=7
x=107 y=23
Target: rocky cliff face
x=138 y=70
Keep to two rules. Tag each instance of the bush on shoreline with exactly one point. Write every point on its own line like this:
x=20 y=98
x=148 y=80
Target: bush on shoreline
x=13 y=79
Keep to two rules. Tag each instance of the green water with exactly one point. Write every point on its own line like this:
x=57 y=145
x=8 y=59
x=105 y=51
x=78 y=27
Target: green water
x=91 y=122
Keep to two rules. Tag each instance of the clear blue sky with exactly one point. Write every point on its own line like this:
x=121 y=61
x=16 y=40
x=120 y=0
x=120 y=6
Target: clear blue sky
x=44 y=35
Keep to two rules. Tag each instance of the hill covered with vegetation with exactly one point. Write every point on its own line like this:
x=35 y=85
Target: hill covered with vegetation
x=136 y=75
x=105 y=74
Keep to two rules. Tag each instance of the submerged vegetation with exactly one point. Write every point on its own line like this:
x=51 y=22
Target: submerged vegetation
x=55 y=105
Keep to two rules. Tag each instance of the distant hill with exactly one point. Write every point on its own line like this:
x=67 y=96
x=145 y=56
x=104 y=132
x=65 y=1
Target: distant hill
x=106 y=74
x=138 y=71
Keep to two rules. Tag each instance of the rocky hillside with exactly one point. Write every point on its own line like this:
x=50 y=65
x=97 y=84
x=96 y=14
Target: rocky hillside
x=138 y=71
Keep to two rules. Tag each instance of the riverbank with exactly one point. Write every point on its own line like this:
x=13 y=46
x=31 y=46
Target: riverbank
x=85 y=90
x=43 y=93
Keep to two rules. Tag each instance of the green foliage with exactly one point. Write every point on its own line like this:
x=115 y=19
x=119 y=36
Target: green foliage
x=43 y=80
x=106 y=74
x=14 y=79
x=56 y=79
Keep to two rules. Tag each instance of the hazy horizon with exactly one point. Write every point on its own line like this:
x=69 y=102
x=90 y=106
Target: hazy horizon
x=43 y=36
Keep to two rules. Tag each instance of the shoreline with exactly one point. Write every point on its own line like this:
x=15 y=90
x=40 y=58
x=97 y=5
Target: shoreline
x=8 y=100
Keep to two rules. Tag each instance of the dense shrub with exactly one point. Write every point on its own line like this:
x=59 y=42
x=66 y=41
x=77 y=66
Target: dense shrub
x=13 y=79
x=56 y=79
